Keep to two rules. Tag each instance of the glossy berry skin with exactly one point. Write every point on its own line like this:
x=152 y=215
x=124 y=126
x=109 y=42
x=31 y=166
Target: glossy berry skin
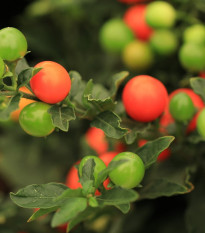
x=201 y=123
x=144 y=98
x=96 y=139
x=134 y=17
x=2 y=67
x=35 y=120
x=52 y=83
x=129 y=174
x=99 y=165
x=13 y=44
x=165 y=154
x=181 y=107
x=167 y=119
x=72 y=178
x=192 y=57
x=137 y=56
x=22 y=103
x=114 y=35
x=160 y=14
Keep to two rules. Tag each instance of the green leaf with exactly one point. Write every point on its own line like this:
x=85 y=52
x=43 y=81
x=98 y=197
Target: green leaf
x=70 y=209
x=104 y=173
x=25 y=76
x=61 y=116
x=76 y=80
x=41 y=212
x=164 y=180
x=124 y=208
x=118 y=196
x=88 y=170
x=38 y=195
x=150 y=151
x=109 y=122
x=101 y=104
x=97 y=97
x=87 y=92
x=198 y=85
x=117 y=79
x=134 y=129
x=12 y=106
x=81 y=217
x=87 y=178
x=69 y=193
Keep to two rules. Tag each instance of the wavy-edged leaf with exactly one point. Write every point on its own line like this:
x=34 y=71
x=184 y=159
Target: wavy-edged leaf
x=61 y=116
x=38 y=195
x=166 y=181
x=109 y=122
x=134 y=129
x=87 y=92
x=70 y=209
x=117 y=79
x=150 y=151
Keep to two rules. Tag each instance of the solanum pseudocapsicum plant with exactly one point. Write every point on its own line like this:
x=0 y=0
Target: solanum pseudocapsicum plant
x=101 y=106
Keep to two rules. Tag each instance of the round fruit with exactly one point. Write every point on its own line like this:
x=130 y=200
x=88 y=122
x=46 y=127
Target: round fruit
x=115 y=35
x=160 y=14
x=137 y=56
x=35 y=120
x=108 y=156
x=201 y=123
x=196 y=99
x=72 y=179
x=165 y=154
x=181 y=107
x=166 y=119
x=13 y=44
x=164 y=42
x=129 y=174
x=22 y=103
x=134 y=17
x=96 y=139
x=52 y=83
x=2 y=67
x=194 y=34
x=99 y=165
x=192 y=57
x=144 y=98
